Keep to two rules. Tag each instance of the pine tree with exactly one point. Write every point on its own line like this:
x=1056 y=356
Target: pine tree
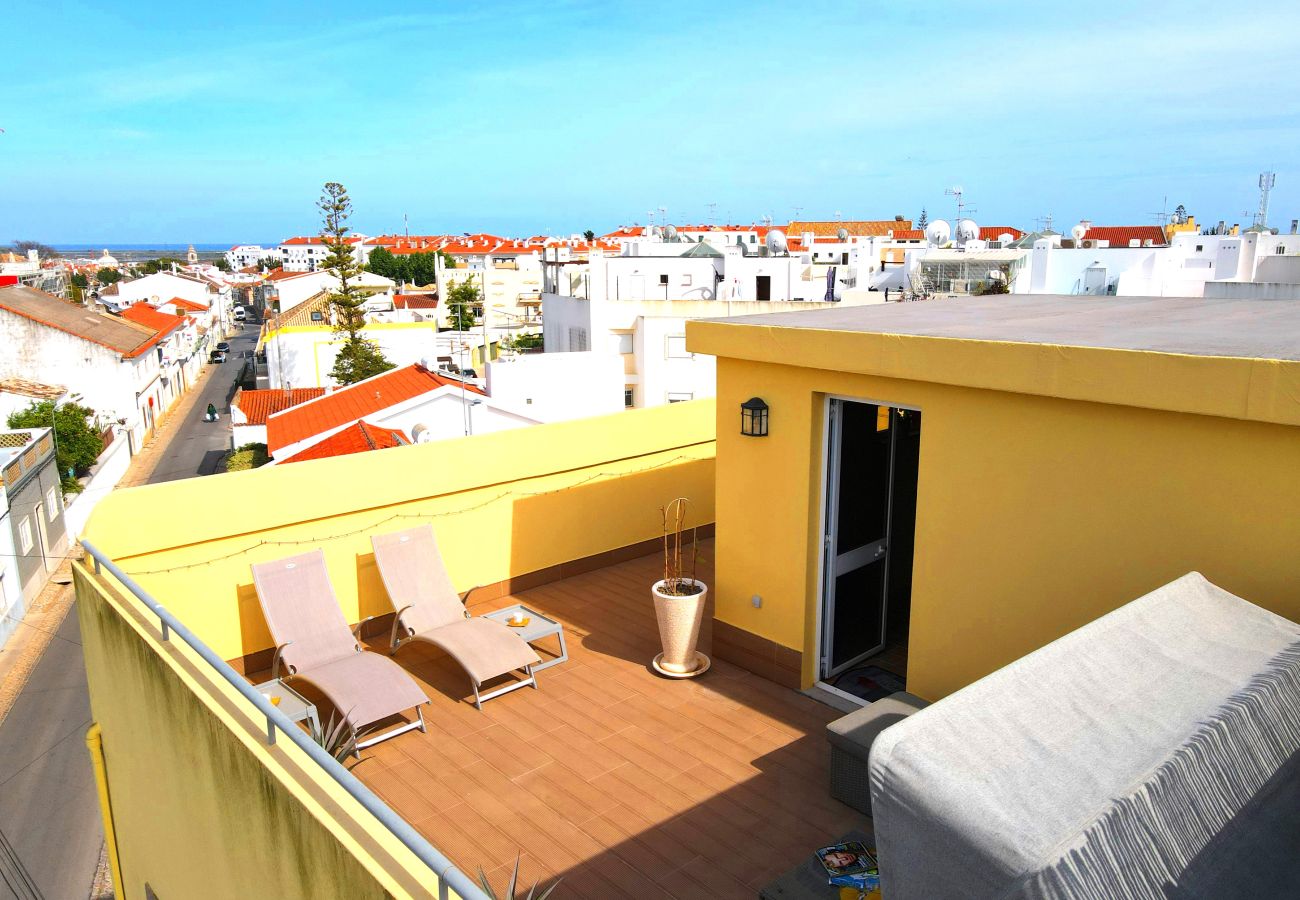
x=923 y=221
x=358 y=358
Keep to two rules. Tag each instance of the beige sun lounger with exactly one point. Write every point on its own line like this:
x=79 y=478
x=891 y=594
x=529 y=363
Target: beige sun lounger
x=314 y=642
x=429 y=609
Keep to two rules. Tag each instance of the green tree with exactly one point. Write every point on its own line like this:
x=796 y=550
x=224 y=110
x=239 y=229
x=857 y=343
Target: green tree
x=79 y=280
x=270 y=262
x=589 y=235
x=462 y=299
x=222 y=264
x=76 y=438
x=358 y=357
x=923 y=221
x=108 y=276
x=161 y=264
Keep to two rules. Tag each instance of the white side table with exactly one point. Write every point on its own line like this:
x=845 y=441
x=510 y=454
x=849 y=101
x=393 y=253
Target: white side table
x=538 y=627
x=291 y=703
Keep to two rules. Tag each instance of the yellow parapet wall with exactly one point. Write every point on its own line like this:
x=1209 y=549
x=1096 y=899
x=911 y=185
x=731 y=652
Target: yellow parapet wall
x=502 y=504
x=201 y=806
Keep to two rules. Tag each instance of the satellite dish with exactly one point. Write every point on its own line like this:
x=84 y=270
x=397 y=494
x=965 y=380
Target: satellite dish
x=1006 y=237
x=937 y=233
x=420 y=434
x=670 y=233
x=657 y=231
x=842 y=235
x=967 y=230
x=1078 y=231
x=775 y=241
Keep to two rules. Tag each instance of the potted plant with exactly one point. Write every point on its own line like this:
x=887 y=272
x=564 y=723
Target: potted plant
x=679 y=598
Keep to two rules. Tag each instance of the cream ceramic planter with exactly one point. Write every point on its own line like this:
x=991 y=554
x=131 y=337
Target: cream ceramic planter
x=679 y=631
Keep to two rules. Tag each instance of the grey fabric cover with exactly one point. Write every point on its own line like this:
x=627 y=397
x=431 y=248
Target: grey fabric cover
x=856 y=732
x=430 y=609
x=1150 y=753
x=301 y=611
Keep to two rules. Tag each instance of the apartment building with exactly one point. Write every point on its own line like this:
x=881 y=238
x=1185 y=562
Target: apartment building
x=33 y=536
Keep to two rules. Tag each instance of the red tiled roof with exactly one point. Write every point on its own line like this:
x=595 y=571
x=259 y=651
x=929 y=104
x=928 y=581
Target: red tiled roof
x=258 y=405
x=908 y=234
x=994 y=232
x=281 y=275
x=352 y=403
x=315 y=240
x=162 y=323
x=182 y=303
x=1121 y=235
x=415 y=301
x=627 y=231
x=357 y=438
x=860 y=227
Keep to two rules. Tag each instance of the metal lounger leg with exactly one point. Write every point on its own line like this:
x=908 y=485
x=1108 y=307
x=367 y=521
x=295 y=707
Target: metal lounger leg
x=513 y=686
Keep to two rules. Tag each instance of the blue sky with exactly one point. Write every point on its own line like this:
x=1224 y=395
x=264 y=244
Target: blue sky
x=128 y=123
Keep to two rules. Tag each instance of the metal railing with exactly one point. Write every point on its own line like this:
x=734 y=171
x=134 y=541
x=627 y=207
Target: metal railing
x=449 y=877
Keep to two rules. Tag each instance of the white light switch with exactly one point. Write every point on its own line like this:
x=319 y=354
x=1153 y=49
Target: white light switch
x=757 y=601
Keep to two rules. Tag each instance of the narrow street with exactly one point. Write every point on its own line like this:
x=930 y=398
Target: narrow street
x=49 y=811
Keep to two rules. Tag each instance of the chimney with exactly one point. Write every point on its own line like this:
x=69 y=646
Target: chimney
x=1294 y=224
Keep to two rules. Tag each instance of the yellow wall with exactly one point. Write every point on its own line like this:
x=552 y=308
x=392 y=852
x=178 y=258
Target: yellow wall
x=502 y=504
x=1035 y=514
x=201 y=806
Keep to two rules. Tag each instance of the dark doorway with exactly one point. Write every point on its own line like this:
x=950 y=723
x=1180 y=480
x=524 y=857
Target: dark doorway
x=763 y=287
x=872 y=463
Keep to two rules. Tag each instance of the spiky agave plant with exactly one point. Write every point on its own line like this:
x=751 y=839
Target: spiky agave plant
x=337 y=738
x=510 y=888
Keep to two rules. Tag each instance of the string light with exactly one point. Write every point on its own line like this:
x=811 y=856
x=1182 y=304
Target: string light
x=505 y=495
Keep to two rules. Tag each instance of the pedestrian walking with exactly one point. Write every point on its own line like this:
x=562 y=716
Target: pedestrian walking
x=212 y=413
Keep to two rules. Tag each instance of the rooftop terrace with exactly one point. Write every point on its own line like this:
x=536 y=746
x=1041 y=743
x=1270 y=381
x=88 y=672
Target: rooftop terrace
x=620 y=781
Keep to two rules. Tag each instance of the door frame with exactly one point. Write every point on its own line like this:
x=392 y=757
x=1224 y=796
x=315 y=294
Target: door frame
x=824 y=560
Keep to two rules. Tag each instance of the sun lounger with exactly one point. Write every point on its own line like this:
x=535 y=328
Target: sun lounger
x=315 y=644
x=429 y=609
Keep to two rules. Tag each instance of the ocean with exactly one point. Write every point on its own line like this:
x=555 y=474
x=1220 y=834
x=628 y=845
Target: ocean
x=140 y=252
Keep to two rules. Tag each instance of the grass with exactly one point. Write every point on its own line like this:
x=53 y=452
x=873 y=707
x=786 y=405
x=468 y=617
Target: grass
x=249 y=456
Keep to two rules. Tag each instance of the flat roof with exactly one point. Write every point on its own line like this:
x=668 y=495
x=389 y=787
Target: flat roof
x=1235 y=358
x=1238 y=328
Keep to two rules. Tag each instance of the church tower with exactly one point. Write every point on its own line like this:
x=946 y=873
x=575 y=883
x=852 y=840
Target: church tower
x=192 y=256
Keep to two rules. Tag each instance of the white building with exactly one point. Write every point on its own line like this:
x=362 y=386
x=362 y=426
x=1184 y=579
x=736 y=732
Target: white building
x=635 y=307
x=308 y=253
x=554 y=387
x=293 y=288
x=244 y=256
x=114 y=364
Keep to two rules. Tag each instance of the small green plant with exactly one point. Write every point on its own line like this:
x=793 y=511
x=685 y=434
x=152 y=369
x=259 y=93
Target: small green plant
x=676 y=582
x=249 y=456
x=510 y=889
x=337 y=738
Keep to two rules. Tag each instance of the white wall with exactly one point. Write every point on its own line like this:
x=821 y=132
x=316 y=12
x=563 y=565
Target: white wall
x=553 y=387
x=163 y=286
x=303 y=357
x=666 y=371
x=293 y=291
x=104 y=476
x=11 y=589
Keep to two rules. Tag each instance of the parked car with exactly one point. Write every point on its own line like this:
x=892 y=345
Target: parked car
x=240 y=315
x=217 y=356
x=223 y=346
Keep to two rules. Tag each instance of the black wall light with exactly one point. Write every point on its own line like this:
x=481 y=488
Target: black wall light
x=753 y=418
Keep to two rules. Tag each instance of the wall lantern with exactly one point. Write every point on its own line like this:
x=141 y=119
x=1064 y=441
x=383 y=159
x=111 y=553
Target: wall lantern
x=753 y=418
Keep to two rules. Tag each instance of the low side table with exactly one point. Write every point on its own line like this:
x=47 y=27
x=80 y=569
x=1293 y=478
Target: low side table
x=538 y=627
x=292 y=703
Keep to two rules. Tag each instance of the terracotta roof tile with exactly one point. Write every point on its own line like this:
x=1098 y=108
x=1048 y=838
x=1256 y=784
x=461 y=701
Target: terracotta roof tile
x=1121 y=235
x=120 y=335
x=358 y=438
x=258 y=405
x=993 y=232
x=353 y=403
x=182 y=303
x=856 y=227
x=415 y=301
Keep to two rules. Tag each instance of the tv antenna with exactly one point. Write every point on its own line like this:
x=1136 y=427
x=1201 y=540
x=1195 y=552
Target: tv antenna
x=406 y=224
x=1044 y=223
x=663 y=215
x=1266 y=182
x=798 y=210
x=960 y=193
x=713 y=208
x=1162 y=217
